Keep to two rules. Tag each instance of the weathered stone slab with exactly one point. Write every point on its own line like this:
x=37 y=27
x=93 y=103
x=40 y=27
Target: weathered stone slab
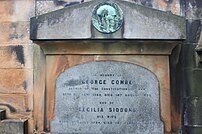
x=109 y=47
x=13 y=126
x=45 y=6
x=192 y=111
x=13 y=11
x=15 y=103
x=107 y=97
x=139 y=23
x=16 y=80
x=14 y=33
x=16 y=56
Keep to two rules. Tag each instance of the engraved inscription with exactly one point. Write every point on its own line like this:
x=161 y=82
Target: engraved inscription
x=107 y=98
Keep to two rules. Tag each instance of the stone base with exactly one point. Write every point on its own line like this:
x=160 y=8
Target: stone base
x=13 y=126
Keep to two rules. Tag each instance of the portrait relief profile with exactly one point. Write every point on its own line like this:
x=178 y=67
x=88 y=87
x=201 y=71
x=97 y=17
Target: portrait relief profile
x=107 y=17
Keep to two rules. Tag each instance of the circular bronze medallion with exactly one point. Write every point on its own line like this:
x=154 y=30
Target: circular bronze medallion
x=107 y=17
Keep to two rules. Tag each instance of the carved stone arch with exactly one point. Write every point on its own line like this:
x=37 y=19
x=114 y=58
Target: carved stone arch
x=133 y=90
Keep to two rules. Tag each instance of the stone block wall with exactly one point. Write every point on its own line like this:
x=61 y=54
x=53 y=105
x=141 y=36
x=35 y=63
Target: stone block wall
x=16 y=62
x=191 y=67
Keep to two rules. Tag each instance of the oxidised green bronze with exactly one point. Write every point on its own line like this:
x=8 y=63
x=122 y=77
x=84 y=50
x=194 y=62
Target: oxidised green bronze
x=107 y=17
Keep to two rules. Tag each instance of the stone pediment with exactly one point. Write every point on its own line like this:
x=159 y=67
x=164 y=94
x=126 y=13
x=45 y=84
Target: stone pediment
x=74 y=22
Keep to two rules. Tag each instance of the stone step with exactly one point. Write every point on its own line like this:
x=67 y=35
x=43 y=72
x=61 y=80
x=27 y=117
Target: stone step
x=13 y=126
x=2 y=114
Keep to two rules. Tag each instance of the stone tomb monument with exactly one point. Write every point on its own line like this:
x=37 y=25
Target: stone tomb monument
x=107 y=98
x=108 y=75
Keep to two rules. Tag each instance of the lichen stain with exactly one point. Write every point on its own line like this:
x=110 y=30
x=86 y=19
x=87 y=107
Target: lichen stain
x=24 y=84
x=18 y=50
x=13 y=33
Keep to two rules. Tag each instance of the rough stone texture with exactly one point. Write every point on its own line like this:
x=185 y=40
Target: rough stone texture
x=14 y=102
x=39 y=89
x=152 y=24
x=77 y=90
x=16 y=80
x=190 y=54
x=12 y=126
x=16 y=56
x=64 y=20
x=193 y=31
x=193 y=9
x=139 y=24
x=14 y=33
x=193 y=114
x=16 y=59
x=191 y=67
x=109 y=47
x=45 y=6
x=16 y=10
x=192 y=81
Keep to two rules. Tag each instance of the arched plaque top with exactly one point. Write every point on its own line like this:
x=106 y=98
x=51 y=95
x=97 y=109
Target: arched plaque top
x=107 y=97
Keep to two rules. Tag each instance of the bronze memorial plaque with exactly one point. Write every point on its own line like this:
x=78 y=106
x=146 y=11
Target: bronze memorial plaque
x=107 y=17
x=107 y=97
